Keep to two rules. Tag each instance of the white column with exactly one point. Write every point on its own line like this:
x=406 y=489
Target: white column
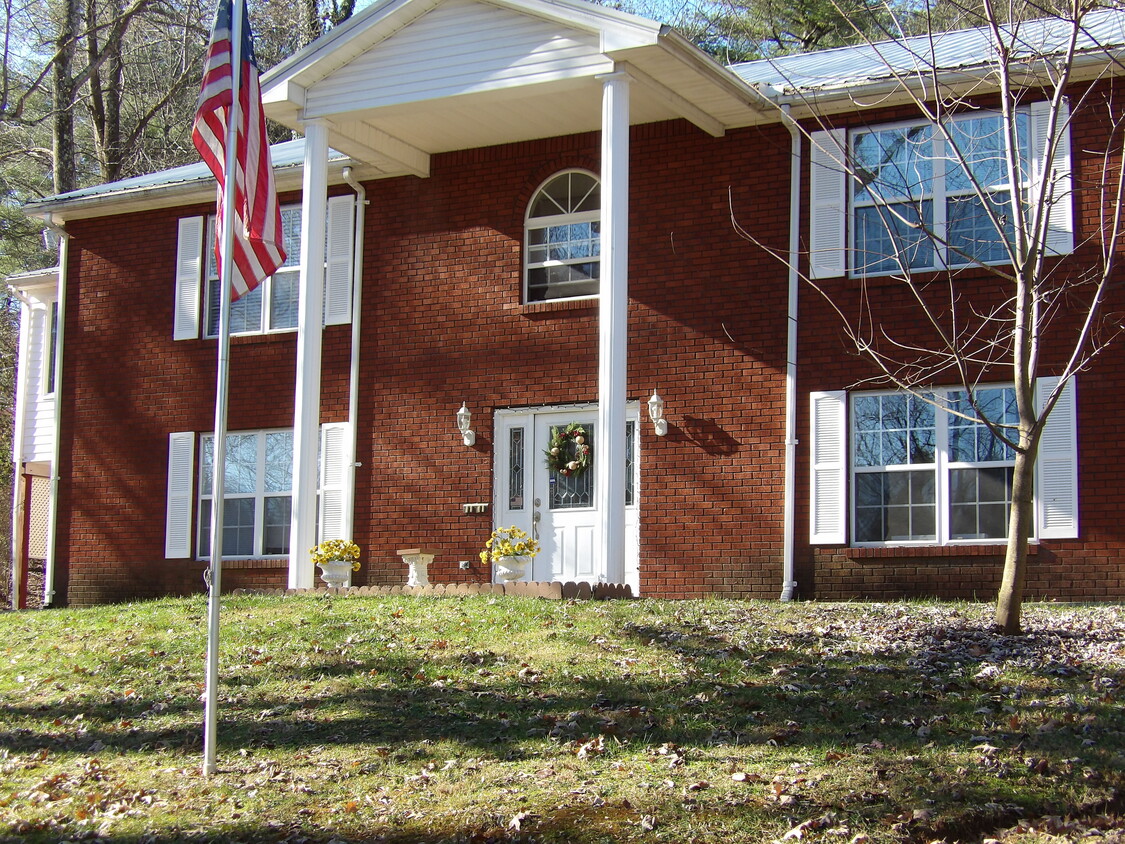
x=613 y=307
x=310 y=326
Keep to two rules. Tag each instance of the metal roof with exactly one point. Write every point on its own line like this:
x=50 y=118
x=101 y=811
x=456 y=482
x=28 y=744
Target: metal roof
x=1103 y=31
x=284 y=155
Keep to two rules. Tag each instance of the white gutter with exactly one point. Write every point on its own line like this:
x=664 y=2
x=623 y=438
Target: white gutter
x=353 y=378
x=53 y=507
x=789 y=582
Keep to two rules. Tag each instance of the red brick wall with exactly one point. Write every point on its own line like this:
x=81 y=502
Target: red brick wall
x=443 y=324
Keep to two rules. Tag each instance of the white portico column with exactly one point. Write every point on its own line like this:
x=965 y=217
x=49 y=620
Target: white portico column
x=613 y=307
x=310 y=326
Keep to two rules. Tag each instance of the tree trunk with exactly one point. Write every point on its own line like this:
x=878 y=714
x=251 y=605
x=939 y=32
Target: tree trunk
x=63 y=147
x=1021 y=523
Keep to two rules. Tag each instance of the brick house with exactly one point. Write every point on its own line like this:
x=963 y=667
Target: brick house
x=528 y=212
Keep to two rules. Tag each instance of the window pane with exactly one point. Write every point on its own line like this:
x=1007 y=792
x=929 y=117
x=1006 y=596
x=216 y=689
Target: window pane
x=570 y=491
x=279 y=461
x=241 y=464
x=562 y=251
x=893 y=430
x=972 y=442
x=888 y=238
x=291 y=235
x=972 y=235
x=284 y=300
x=979 y=502
x=980 y=141
x=278 y=512
x=238 y=527
x=515 y=469
x=893 y=163
x=895 y=506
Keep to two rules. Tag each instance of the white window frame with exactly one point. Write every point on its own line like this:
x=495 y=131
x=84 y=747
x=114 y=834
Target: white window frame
x=938 y=195
x=537 y=223
x=50 y=348
x=259 y=496
x=942 y=468
x=290 y=269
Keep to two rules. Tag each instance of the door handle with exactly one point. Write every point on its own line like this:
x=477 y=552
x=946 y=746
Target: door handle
x=535 y=517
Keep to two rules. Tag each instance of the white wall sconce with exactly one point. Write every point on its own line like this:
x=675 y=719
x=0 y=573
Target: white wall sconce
x=656 y=414
x=464 y=420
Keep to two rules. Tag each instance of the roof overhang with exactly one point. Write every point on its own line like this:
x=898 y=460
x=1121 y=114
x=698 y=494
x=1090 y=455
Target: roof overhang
x=407 y=79
x=41 y=285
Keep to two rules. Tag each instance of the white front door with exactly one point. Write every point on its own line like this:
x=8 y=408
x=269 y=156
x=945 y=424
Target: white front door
x=562 y=512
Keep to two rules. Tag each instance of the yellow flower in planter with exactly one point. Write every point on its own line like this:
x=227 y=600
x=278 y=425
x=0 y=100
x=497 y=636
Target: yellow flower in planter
x=508 y=542
x=336 y=550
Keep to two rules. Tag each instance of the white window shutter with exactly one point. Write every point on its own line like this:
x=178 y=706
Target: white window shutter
x=829 y=204
x=1056 y=469
x=189 y=271
x=828 y=458
x=339 y=253
x=333 y=481
x=181 y=472
x=1060 y=223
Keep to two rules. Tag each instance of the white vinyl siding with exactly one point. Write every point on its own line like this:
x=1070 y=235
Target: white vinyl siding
x=39 y=411
x=828 y=456
x=459 y=47
x=180 y=501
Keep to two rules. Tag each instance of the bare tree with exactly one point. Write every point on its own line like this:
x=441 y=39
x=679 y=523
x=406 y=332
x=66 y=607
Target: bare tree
x=988 y=284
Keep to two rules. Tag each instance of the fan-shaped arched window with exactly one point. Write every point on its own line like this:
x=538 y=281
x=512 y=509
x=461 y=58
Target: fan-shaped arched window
x=562 y=238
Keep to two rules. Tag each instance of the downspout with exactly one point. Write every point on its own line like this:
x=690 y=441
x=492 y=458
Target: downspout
x=789 y=582
x=353 y=382
x=53 y=505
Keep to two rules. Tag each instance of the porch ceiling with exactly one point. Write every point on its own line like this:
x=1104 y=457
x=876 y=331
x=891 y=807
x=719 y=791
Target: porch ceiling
x=406 y=79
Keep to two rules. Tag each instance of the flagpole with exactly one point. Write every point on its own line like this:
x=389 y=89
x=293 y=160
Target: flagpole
x=219 y=440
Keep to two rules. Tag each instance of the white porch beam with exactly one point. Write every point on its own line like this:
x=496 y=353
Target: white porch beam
x=310 y=323
x=361 y=141
x=613 y=312
x=681 y=105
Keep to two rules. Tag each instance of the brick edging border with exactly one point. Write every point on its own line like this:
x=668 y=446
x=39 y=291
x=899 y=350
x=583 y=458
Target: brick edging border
x=553 y=591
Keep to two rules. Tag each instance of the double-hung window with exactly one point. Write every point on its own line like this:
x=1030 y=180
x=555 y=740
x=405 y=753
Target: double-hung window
x=921 y=474
x=918 y=196
x=257 y=496
x=272 y=305
x=892 y=468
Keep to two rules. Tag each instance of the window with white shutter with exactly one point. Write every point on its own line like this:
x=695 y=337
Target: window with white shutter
x=828 y=484
x=180 y=502
x=1056 y=468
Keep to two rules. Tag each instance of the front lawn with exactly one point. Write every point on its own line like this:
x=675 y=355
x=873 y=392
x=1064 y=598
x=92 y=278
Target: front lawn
x=488 y=719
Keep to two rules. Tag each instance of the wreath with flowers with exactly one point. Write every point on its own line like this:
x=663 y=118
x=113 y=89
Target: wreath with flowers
x=569 y=451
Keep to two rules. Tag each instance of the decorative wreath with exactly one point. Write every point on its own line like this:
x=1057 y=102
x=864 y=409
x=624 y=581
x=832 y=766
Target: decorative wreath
x=569 y=452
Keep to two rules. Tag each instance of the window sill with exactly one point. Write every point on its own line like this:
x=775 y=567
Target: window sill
x=556 y=307
x=900 y=551
x=258 y=563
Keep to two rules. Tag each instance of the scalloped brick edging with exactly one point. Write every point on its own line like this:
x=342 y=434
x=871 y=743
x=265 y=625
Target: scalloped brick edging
x=553 y=591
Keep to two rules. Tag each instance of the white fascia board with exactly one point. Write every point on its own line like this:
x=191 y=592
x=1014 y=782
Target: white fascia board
x=285 y=91
x=170 y=196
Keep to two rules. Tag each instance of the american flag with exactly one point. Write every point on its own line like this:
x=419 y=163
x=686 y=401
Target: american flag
x=257 y=244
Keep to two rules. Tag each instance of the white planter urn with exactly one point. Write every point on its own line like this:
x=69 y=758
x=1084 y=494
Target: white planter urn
x=336 y=573
x=511 y=568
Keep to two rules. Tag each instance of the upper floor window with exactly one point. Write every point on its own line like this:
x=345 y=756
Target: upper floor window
x=919 y=196
x=914 y=204
x=562 y=238
x=272 y=305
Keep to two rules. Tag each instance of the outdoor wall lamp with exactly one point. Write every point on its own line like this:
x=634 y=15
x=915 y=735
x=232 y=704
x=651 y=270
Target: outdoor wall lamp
x=656 y=413
x=464 y=420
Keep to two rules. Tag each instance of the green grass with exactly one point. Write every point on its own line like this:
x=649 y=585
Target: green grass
x=506 y=719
